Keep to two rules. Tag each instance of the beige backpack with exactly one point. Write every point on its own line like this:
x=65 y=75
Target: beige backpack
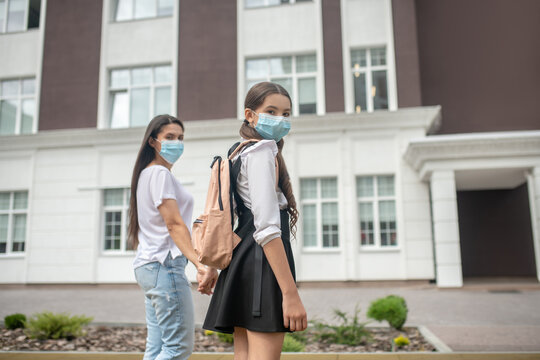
x=213 y=235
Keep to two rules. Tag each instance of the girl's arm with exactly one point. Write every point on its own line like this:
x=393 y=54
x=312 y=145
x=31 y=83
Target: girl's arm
x=294 y=314
x=261 y=173
x=182 y=238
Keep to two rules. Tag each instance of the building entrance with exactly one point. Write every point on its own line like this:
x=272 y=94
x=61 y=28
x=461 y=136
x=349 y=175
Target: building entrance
x=495 y=233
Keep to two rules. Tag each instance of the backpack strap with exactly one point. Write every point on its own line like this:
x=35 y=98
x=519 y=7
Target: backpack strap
x=258 y=263
x=235 y=169
x=239 y=146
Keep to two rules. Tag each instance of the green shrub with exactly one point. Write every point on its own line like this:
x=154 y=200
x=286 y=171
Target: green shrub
x=226 y=338
x=391 y=308
x=47 y=325
x=15 y=321
x=350 y=332
x=299 y=336
x=291 y=344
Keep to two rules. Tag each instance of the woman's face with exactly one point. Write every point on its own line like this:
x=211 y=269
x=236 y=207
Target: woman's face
x=168 y=132
x=274 y=104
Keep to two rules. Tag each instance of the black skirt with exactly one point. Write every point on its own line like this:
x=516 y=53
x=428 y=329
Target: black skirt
x=247 y=293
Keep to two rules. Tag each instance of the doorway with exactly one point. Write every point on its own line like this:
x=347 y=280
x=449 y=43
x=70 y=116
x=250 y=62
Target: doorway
x=495 y=233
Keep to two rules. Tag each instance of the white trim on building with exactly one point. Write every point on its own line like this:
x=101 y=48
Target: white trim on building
x=473 y=161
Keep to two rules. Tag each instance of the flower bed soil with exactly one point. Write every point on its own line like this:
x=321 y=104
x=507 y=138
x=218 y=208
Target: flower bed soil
x=132 y=339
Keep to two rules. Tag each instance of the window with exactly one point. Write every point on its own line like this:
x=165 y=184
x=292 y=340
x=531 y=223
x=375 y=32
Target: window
x=115 y=219
x=139 y=94
x=13 y=213
x=141 y=9
x=376 y=211
x=17 y=106
x=19 y=15
x=261 y=3
x=297 y=74
x=320 y=219
x=369 y=71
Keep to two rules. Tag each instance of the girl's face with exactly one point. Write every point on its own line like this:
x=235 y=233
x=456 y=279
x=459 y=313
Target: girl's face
x=168 y=132
x=274 y=104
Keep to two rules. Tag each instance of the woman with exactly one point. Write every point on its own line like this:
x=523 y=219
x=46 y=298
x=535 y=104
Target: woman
x=160 y=224
x=256 y=296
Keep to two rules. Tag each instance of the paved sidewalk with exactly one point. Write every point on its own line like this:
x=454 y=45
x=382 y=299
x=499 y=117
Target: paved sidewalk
x=478 y=317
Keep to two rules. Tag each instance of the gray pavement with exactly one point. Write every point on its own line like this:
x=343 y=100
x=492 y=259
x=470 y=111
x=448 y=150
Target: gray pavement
x=478 y=317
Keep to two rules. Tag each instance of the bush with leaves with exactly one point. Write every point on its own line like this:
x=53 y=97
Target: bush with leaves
x=350 y=332
x=391 y=308
x=291 y=344
x=15 y=321
x=47 y=325
x=300 y=336
x=226 y=338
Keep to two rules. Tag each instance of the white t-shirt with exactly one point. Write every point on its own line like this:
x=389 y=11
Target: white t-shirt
x=256 y=186
x=157 y=183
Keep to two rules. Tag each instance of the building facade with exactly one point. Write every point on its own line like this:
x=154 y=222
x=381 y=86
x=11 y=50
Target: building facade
x=414 y=153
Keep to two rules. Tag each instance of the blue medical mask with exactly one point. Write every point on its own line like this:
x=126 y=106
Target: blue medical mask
x=171 y=150
x=272 y=127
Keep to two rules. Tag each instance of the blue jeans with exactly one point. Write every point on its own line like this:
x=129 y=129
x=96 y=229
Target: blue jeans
x=169 y=309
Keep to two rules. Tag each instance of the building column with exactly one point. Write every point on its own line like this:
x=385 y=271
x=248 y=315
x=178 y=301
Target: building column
x=446 y=229
x=533 y=183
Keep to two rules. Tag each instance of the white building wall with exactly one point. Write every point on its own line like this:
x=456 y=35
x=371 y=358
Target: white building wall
x=284 y=30
x=415 y=225
x=126 y=44
x=66 y=172
x=16 y=174
x=366 y=24
x=61 y=246
x=19 y=54
x=139 y=42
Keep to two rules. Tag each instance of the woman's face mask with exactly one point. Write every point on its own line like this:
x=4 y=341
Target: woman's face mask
x=171 y=150
x=272 y=127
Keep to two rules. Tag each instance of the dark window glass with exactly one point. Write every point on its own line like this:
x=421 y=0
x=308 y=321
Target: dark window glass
x=380 y=90
x=360 y=92
x=34 y=9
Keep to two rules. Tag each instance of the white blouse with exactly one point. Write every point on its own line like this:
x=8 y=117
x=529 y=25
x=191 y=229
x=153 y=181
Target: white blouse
x=157 y=183
x=256 y=186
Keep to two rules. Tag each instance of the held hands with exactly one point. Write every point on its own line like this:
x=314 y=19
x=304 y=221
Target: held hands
x=206 y=277
x=294 y=314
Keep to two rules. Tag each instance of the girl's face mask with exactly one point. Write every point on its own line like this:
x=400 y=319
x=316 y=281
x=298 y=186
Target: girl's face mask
x=272 y=127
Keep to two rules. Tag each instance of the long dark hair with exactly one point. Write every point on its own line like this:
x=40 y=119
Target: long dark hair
x=146 y=156
x=254 y=98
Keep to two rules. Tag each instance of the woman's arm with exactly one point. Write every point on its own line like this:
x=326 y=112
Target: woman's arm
x=182 y=238
x=294 y=314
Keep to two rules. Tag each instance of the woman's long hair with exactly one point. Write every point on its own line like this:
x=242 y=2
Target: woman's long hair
x=254 y=98
x=146 y=156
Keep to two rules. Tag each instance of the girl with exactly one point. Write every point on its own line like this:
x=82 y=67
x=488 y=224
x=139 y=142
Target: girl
x=256 y=296
x=160 y=223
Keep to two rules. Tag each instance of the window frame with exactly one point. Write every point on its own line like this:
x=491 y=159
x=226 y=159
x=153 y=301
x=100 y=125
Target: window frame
x=374 y=200
x=4 y=29
x=20 y=97
x=318 y=202
x=128 y=89
x=368 y=71
x=123 y=209
x=294 y=76
x=114 y=8
x=266 y=4
x=11 y=212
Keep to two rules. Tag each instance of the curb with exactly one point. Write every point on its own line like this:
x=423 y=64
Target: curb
x=434 y=340
x=31 y=355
